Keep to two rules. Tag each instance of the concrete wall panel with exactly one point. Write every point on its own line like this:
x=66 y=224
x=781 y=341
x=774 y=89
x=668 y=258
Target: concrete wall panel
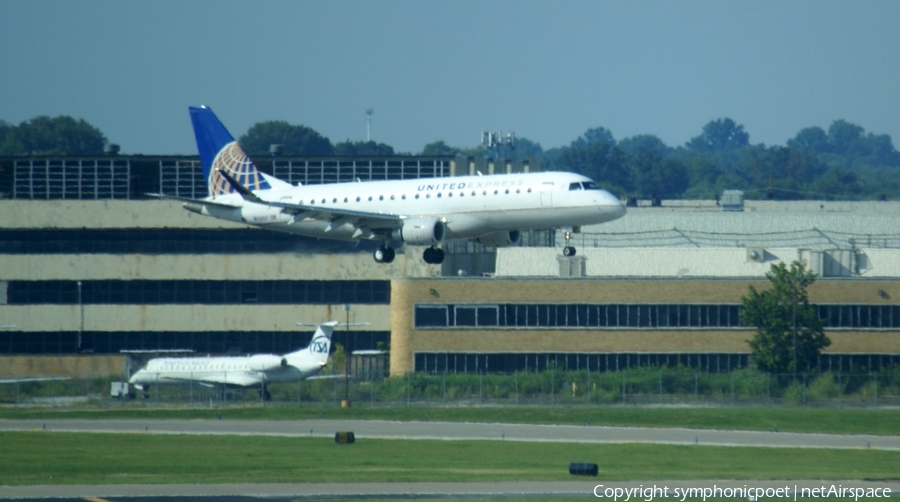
x=265 y=267
x=103 y=214
x=61 y=366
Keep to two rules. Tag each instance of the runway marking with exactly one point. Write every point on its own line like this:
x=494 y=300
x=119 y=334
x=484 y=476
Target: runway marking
x=95 y=499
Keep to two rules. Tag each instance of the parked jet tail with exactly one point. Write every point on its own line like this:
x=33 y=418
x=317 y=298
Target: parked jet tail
x=220 y=152
x=320 y=345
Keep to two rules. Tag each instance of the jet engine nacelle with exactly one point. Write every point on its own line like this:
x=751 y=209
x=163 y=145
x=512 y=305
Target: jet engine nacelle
x=259 y=214
x=266 y=362
x=421 y=232
x=501 y=239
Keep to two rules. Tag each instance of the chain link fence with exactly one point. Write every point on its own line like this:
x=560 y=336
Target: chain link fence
x=550 y=388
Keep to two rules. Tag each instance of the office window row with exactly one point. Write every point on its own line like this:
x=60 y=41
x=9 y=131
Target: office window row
x=860 y=316
x=467 y=363
x=197 y=292
x=654 y=316
x=167 y=241
x=201 y=342
x=511 y=315
x=510 y=362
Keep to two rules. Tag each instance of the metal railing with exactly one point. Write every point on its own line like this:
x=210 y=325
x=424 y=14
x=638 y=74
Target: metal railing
x=812 y=238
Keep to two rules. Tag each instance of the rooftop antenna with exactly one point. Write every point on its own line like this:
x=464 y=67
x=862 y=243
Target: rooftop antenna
x=369 y=112
x=495 y=141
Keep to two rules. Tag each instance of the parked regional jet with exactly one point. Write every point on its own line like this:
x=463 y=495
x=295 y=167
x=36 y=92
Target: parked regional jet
x=491 y=209
x=243 y=371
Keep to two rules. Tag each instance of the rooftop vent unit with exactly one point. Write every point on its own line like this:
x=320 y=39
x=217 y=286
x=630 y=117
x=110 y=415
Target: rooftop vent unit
x=756 y=255
x=732 y=200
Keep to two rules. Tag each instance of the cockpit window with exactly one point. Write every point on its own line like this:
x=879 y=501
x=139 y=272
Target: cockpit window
x=575 y=186
x=590 y=185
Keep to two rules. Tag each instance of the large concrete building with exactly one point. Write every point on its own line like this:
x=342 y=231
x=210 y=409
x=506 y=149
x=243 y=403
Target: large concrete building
x=90 y=267
x=505 y=325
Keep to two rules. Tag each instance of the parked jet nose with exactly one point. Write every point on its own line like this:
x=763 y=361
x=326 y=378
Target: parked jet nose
x=611 y=205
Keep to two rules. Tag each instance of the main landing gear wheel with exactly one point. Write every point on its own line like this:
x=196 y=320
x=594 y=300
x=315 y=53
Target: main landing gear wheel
x=384 y=254
x=568 y=250
x=433 y=256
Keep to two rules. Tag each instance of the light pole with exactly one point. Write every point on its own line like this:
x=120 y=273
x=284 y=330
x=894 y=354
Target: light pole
x=346 y=402
x=81 y=317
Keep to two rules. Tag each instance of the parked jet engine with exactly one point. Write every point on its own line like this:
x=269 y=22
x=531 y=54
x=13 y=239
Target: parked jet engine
x=266 y=362
x=501 y=239
x=421 y=232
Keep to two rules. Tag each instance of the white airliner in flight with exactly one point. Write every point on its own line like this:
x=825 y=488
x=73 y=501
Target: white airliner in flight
x=246 y=371
x=492 y=210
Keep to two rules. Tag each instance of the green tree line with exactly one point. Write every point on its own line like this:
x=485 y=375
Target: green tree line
x=842 y=162
x=51 y=136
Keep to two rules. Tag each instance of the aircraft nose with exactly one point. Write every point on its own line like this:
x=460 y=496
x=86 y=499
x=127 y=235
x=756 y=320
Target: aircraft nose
x=619 y=210
x=612 y=205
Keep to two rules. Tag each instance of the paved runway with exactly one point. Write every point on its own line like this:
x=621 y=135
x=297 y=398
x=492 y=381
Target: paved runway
x=273 y=492
x=455 y=430
x=432 y=430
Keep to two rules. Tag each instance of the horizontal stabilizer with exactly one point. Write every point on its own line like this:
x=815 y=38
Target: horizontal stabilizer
x=325 y=377
x=333 y=324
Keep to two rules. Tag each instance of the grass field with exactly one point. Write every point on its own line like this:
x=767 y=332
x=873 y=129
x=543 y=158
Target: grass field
x=38 y=457
x=786 y=419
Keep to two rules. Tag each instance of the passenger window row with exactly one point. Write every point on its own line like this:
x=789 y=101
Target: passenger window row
x=460 y=194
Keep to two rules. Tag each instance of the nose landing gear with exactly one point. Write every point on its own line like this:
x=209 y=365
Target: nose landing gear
x=568 y=250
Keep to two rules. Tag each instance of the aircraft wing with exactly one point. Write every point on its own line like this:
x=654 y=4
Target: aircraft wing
x=35 y=379
x=202 y=383
x=193 y=201
x=335 y=216
x=363 y=220
x=210 y=379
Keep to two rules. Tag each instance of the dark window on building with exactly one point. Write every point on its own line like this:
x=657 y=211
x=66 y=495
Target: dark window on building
x=466 y=315
x=487 y=316
x=431 y=316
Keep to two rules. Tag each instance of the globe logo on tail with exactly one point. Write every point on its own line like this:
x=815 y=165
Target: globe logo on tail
x=231 y=158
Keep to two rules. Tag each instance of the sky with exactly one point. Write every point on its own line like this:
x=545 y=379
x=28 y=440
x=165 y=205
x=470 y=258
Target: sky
x=447 y=70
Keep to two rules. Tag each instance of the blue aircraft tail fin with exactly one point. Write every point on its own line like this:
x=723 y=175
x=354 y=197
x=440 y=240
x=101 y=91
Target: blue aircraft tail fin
x=219 y=151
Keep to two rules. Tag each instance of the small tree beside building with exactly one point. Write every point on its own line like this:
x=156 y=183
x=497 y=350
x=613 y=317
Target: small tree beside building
x=789 y=334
